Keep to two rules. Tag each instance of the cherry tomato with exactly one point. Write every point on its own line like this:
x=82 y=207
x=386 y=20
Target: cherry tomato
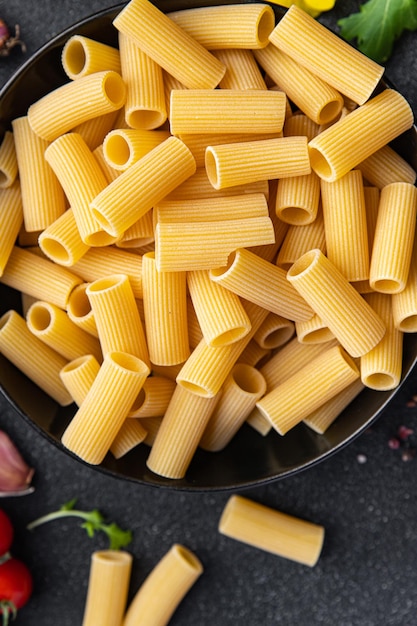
x=15 y=587
x=6 y=533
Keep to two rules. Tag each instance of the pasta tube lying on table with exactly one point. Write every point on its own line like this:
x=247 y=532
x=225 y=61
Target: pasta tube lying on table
x=176 y=573
x=268 y=529
x=108 y=587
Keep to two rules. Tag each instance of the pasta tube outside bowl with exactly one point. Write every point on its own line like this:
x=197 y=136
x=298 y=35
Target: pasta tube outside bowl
x=256 y=454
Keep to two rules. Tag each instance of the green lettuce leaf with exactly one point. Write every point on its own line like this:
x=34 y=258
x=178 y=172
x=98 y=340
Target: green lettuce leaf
x=378 y=25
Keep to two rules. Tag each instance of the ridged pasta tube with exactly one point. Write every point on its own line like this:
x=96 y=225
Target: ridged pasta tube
x=268 y=529
x=352 y=321
x=176 y=572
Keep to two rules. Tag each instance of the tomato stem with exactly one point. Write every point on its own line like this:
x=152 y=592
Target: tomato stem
x=7 y=608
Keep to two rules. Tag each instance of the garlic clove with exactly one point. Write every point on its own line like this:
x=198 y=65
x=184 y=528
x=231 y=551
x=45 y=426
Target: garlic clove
x=15 y=473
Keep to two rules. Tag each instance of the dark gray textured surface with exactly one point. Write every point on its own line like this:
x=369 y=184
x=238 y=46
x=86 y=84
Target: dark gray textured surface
x=366 y=574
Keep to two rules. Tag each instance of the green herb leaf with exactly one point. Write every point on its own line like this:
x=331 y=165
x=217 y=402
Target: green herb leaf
x=378 y=25
x=93 y=521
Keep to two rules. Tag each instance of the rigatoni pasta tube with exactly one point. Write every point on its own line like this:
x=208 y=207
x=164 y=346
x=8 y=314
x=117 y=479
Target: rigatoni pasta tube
x=221 y=315
x=298 y=199
x=274 y=332
x=8 y=160
x=242 y=70
x=38 y=277
x=206 y=369
x=82 y=56
x=144 y=184
x=240 y=206
x=345 y=225
x=78 y=375
x=53 y=326
x=124 y=146
x=258 y=160
x=394 y=236
x=101 y=262
x=153 y=398
x=97 y=421
x=313 y=96
x=313 y=331
x=165 y=309
x=145 y=96
x=352 y=321
x=116 y=316
x=242 y=388
x=323 y=417
x=226 y=111
x=11 y=220
x=263 y=283
x=228 y=26
x=75 y=102
x=199 y=186
x=404 y=303
x=82 y=179
x=79 y=309
x=108 y=587
x=169 y=45
x=367 y=129
x=301 y=239
x=268 y=529
x=42 y=196
x=310 y=387
x=325 y=54
x=176 y=572
x=61 y=241
x=385 y=166
x=31 y=356
x=381 y=367
x=180 y=431
x=183 y=247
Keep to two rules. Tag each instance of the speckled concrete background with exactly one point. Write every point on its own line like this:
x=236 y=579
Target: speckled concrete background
x=365 y=495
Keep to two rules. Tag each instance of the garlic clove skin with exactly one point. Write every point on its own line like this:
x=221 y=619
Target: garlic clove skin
x=15 y=474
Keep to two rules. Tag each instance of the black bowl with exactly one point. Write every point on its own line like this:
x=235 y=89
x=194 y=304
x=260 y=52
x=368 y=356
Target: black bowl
x=250 y=459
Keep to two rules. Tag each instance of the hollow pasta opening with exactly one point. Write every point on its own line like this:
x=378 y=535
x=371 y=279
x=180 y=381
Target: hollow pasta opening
x=79 y=305
x=187 y=556
x=56 y=251
x=277 y=337
x=387 y=285
x=229 y=336
x=211 y=167
x=114 y=88
x=117 y=150
x=128 y=361
x=303 y=263
x=73 y=365
x=380 y=381
x=105 y=283
x=74 y=58
x=247 y=378
x=145 y=118
x=40 y=317
x=409 y=324
x=330 y=112
x=194 y=388
x=265 y=26
x=320 y=165
x=295 y=215
x=318 y=336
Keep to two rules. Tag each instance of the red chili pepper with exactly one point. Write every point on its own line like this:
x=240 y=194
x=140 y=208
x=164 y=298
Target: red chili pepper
x=7 y=42
x=16 y=587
